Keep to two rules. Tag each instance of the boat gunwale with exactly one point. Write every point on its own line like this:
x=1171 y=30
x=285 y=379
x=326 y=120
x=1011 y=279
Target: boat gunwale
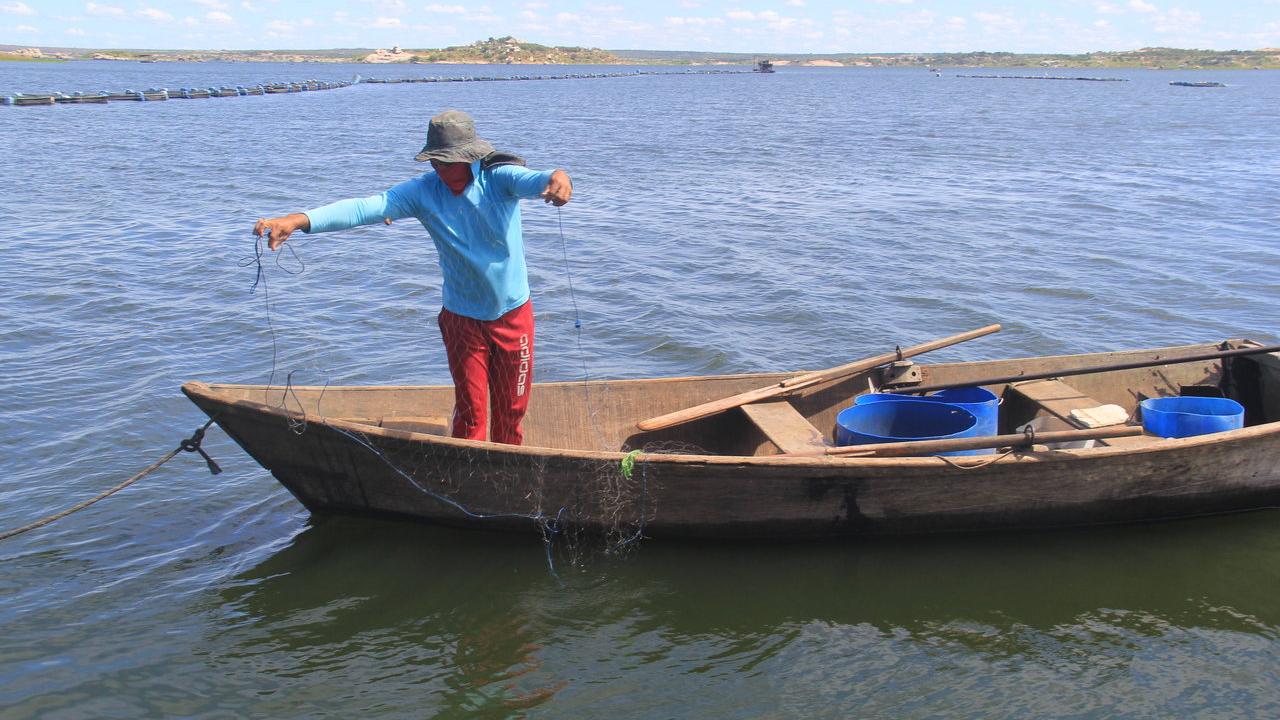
x=957 y=463
x=764 y=374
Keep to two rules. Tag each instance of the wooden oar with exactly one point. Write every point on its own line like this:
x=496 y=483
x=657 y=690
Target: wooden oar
x=1238 y=352
x=933 y=447
x=799 y=382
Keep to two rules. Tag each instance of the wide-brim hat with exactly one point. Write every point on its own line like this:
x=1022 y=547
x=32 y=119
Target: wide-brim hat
x=451 y=137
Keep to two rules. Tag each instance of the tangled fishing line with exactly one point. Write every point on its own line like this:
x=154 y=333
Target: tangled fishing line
x=614 y=502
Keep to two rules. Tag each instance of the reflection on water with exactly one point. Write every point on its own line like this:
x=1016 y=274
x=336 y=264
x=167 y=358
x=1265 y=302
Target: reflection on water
x=477 y=625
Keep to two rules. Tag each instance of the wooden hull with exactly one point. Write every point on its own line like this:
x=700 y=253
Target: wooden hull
x=744 y=488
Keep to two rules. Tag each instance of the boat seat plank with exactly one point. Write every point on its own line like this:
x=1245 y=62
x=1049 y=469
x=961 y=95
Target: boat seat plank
x=786 y=427
x=1059 y=399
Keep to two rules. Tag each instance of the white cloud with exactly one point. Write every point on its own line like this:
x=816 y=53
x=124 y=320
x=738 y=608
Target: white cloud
x=75 y=31
x=154 y=14
x=565 y=18
x=217 y=16
x=1141 y=6
x=103 y=10
x=690 y=4
x=534 y=6
x=796 y=3
x=603 y=9
x=1178 y=21
x=1101 y=24
x=25 y=29
x=1107 y=9
x=251 y=7
x=387 y=22
x=17 y=8
x=446 y=9
x=529 y=15
x=894 y=2
x=998 y=22
x=770 y=19
x=482 y=14
x=693 y=21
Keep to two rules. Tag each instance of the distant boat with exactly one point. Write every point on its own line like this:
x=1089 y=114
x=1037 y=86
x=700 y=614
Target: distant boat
x=1205 y=83
x=764 y=66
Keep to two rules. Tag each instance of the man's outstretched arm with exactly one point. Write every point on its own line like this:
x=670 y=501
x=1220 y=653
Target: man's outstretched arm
x=554 y=186
x=393 y=204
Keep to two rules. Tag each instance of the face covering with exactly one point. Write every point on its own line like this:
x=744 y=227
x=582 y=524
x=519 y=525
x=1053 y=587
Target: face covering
x=455 y=175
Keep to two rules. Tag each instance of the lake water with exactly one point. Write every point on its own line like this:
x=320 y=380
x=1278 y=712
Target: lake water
x=720 y=223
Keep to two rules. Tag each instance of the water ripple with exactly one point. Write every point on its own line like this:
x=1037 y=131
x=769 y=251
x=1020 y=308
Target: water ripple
x=720 y=224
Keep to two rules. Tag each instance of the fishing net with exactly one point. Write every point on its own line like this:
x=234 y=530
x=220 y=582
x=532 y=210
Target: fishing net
x=581 y=508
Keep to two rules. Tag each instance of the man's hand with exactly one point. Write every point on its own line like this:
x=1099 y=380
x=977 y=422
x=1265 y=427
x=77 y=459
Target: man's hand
x=559 y=190
x=277 y=230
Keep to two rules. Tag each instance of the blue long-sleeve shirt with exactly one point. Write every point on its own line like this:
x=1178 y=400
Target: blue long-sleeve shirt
x=477 y=234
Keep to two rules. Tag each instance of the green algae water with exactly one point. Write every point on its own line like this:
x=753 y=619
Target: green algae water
x=719 y=224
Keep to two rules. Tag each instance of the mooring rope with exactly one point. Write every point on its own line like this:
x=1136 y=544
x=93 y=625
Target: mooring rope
x=191 y=444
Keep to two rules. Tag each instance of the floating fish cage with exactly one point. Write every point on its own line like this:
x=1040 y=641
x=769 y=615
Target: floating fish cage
x=279 y=88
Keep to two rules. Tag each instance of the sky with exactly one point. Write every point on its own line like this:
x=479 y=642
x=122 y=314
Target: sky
x=752 y=26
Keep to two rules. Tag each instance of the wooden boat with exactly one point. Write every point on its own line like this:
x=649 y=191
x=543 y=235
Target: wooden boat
x=763 y=470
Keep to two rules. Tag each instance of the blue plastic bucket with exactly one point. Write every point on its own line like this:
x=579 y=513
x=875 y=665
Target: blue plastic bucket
x=983 y=403
x=1177 y=417
x=903 y=420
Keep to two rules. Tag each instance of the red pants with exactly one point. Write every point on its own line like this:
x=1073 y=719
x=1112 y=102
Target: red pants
x=492 y=365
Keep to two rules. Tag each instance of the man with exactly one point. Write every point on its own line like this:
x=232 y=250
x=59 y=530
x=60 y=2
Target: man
x=470 y=206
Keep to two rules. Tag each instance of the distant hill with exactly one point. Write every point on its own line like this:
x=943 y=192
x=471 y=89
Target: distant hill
x=1170 y=58
x=510 y=50
x=491 y=51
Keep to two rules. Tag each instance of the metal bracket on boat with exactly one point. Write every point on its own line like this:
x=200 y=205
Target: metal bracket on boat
x=902 y=372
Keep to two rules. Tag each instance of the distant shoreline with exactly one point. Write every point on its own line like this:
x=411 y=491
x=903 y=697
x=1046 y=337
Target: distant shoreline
x=509 y=51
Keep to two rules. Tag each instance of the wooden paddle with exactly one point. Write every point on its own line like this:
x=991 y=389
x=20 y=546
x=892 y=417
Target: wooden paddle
x=799 y=382
x=933 y=447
